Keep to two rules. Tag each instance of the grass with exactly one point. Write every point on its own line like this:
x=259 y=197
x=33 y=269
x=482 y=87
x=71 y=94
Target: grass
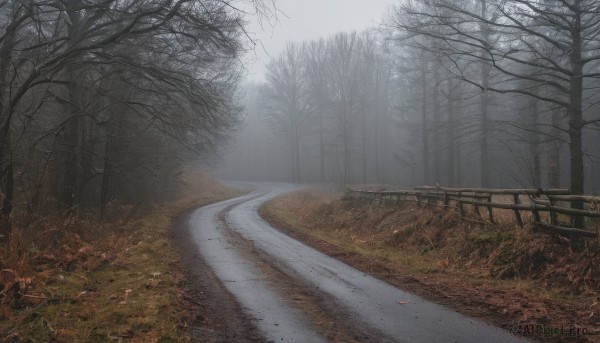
x=299 y=214
x=87 y=281
x=500 y=264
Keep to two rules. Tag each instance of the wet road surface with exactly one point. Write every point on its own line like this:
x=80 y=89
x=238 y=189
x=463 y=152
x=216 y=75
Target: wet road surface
x=384 y=312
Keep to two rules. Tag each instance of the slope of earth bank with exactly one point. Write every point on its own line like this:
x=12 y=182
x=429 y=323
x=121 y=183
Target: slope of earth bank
x=518 y=279
x=77 y=279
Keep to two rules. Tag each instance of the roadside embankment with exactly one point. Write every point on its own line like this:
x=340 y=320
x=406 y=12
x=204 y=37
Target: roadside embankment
x=77 y=279
x=510 y=276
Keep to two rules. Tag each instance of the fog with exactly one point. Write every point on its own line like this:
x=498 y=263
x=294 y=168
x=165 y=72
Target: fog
x=411 y=94
x=298 y=21
x=101 y=105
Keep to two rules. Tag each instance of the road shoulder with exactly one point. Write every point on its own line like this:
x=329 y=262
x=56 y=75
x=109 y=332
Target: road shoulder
x=216 y=314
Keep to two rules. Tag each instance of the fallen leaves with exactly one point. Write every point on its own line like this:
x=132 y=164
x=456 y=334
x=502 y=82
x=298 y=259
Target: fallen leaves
x=62 y=279
x=467 y=268
x=13 y=293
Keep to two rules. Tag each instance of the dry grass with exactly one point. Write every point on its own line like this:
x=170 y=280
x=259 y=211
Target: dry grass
x=421 y=239
x=76 y=279
x=500 y=272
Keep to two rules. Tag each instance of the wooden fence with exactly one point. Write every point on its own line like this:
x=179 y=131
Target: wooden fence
x=535 y=201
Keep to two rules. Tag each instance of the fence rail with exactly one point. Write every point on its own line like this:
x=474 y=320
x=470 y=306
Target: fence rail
x=553 y=201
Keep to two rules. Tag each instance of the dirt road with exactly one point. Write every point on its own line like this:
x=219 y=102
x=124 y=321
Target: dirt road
x=291 y=292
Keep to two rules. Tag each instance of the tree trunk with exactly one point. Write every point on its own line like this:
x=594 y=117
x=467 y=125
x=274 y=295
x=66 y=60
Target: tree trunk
x=554 y=156
x=71 y=172
x=298 y=177
x=457 y=143
x=72 y=108
x=321 y=148
x=347 y=113
x=293 y=155
x=577 y=179
x=484 y=104
x=6 y=165
x=346 y=138
x=7 y=182
x=534 y=145
x=114 y=125
x=364 y=141
x=378 y=102
x=451 y=136
x=576 y=119
x=106 y=188
x=424 y=126
x=435 y=127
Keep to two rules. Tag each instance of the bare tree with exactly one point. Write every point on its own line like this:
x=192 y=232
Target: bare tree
x=71 y=60
x=551 y=44
x=342 y=67
x=318 y=88
x=287 y=97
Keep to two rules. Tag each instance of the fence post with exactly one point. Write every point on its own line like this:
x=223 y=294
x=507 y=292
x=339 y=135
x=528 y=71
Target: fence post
x=490 y=211
x=553 y=215
x=517 y=213
x=477 y=207
x=536 y=213
x=446 y=200
x=460 y=204
x=484 y=198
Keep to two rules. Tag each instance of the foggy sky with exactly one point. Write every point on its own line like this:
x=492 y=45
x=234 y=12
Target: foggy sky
x=304 y=20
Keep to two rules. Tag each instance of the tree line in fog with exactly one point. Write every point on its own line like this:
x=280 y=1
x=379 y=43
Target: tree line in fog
x=461 y=93
x=102 y=101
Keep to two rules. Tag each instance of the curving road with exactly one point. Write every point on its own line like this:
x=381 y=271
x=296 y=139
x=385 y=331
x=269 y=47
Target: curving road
x=241 y=247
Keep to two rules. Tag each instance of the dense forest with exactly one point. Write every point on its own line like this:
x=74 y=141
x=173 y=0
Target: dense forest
x=460 y=93
x=104 y=101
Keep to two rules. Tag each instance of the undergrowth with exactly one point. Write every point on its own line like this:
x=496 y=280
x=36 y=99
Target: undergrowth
x=442 y=239
x=502 y=272
x=77 y=279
